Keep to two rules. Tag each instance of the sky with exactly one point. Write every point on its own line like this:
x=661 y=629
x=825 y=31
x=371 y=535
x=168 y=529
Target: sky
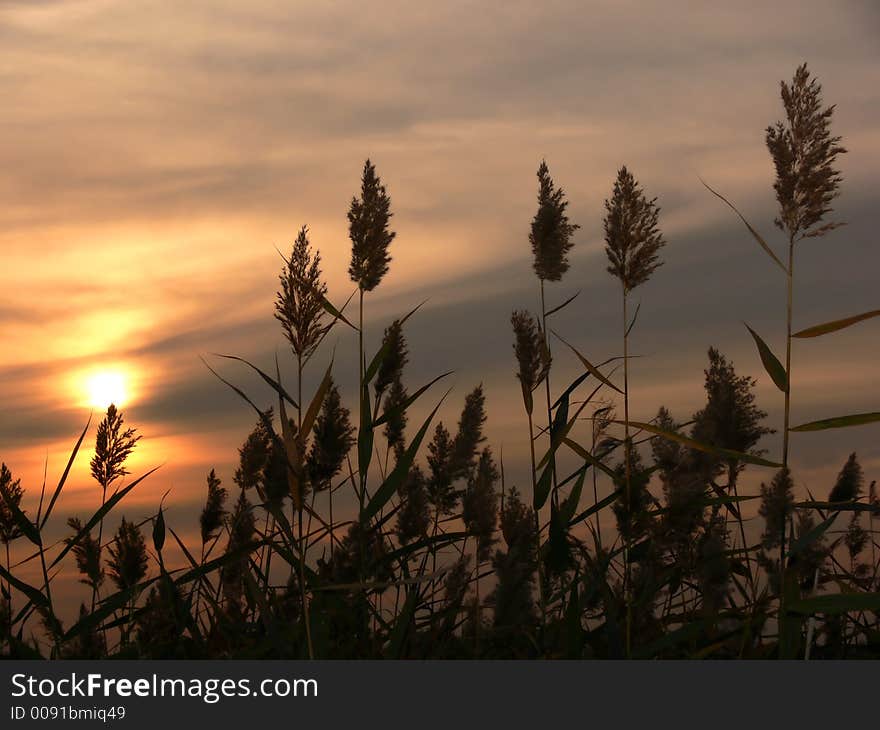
x=157 y=156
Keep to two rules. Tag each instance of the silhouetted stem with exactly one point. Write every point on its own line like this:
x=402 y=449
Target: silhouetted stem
x=100 y=544
x=626 y=460
x=537 y=527
x=552 y=462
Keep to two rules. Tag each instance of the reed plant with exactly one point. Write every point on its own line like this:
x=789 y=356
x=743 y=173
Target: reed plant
x=430 y=553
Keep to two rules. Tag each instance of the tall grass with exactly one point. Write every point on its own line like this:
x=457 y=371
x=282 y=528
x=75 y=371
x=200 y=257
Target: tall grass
x=441 y=558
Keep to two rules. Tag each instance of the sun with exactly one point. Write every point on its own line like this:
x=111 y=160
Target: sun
x=105 y=387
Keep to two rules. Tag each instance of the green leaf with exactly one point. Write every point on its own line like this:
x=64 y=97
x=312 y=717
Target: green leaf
x=36 y=596
x=838 y=324
x=99 y=515
x=810 y=537
x=568 y=507
x=376 y=362
x=106 y=608
x=333 y=311
x=755 y=234
x=365 y=435
x=635 y=317
x=588 y=365
x=600 y=505
x=315 y=406
x=837 y=506
x=699 y=446
x=408 y=402
x=276 y=384
x=542 y=487
x=401 y=469
x=772 y=365
x=836 y=603
x=402 y=623
x=218 y=562
x=857 y=419
x=159 y=531
x=63 y=479
x=563 y=305
x=589 y=458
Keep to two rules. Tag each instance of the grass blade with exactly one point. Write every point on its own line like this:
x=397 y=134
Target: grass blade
x=771 y=364
x=837 y=324
x=63 y=479
x=588 y=365
x=857 y=419
x=271 y=381
x=699 y=446
x=757 y=236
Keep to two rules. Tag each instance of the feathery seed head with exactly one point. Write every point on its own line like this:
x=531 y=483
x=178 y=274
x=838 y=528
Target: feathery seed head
x=368 y=219
x=804 y=153
x=551 y=230
x=632 y=234
x=113 y=445
x=299 y=304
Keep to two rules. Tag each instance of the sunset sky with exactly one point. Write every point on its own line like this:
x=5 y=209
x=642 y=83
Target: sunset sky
x=156 y=154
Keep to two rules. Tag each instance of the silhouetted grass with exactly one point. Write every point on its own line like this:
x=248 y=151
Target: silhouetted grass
x=443 y=559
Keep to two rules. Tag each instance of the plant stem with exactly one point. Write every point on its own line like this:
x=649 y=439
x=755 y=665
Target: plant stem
x=100 y=546
x=537 y=528
x=9 y=590
x=786 y=420
x=788 y=319
x=626 y=460
x=552 y=462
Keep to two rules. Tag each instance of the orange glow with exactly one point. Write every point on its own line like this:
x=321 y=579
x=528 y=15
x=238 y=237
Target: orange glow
x=101 y=387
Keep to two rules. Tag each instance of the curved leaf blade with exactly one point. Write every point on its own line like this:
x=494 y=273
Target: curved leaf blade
x=838 y=324
x=771 y=364
x=856 y=419
x=757 y=236
x=699 y=446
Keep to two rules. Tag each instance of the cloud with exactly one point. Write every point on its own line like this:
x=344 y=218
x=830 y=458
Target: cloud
x=160 y=151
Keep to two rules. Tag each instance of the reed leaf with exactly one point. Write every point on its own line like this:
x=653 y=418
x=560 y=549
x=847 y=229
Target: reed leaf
x=390 y=486
x=698 y=446
x=757 y=236
x=838 y=324
x=275 y=384
x=63 y=480
x=99 y=515
x=774 y=368
x=588 y=365
x=856 y=419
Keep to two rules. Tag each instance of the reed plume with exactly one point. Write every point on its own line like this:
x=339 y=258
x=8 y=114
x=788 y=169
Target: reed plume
x=804 y=154
x=632 y=243
x=480 y=504
x=87 y=552
x=113 y=445
x=214 y=511
x=395 y=414
x=850 y=482
x=299 y=304
x=550 y=237
x=333 y=436
x=551 y=229
x=470 y=433
x=396 y=357
x=632 y=234
x=532 y=356
x=368 y=219
x=128 y=556
x=10 y=496
x=414 y=517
